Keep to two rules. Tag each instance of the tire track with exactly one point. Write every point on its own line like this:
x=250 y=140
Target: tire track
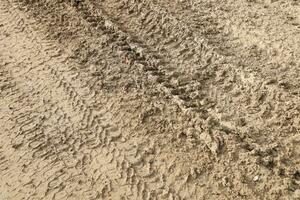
x=185 y=98
x=244 y=81
x=43 y=146
x=262 y=106
x=75 y=85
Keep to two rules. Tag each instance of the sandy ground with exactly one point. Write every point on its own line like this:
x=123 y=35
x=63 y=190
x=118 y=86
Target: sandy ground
x=149 y=99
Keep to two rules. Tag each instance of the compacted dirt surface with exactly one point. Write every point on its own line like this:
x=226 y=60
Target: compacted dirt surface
x=149 y=99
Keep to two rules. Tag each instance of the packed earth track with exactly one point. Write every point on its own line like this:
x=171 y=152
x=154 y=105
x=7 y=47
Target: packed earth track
x=149 y=99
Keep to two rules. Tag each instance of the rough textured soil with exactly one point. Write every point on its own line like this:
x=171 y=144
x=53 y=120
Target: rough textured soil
x=149 y=99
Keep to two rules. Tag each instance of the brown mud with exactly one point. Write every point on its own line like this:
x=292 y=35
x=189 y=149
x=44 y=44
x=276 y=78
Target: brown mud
x=139 y=99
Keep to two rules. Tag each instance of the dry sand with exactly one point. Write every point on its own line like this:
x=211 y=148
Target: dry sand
x=149 y=99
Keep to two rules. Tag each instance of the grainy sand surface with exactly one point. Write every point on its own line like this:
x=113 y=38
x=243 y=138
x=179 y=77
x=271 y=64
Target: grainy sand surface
x=149 y=99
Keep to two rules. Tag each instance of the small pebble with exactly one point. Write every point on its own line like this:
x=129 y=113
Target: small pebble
x=256 y=178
